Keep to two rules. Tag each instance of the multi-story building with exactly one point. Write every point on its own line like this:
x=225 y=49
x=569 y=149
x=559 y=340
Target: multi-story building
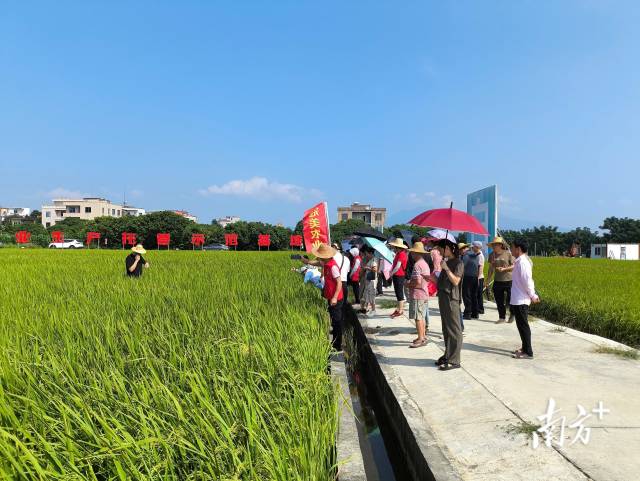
x=87 y=208
x=14 y=212
x=129 y=210
x=374 y=216
x=228 y=220
x=186 y=215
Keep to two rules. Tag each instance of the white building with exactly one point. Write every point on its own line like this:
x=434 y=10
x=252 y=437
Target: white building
x=628 y=252
x=87 y=208
x=228 y=220
x=129 y=210
x=19 y=211
x=186 y=215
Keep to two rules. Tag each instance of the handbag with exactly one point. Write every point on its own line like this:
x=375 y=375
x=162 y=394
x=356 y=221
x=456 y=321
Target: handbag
x=371 y=276
x=432 y=288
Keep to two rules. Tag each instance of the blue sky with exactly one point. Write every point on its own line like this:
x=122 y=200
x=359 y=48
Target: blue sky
x=260 y=109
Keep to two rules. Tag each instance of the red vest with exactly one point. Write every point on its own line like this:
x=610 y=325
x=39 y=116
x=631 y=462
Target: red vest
x=331 y=284
x=400 y=258
x=355 y=277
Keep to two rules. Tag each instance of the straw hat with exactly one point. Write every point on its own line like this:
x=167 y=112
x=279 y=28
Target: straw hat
x=462 y=245
x=418 y=248
x=398 y=242
x=498 y=240
x=139 y=249
x=323 y=251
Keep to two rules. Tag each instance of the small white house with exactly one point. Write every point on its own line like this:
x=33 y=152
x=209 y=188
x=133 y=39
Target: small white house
x=624 y=252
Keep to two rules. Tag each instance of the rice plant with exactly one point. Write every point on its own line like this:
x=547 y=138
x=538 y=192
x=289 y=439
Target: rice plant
x=211 y=366
x=598 y=296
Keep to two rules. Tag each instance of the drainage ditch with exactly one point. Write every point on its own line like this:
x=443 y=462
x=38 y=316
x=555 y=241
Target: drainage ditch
x=388 y=446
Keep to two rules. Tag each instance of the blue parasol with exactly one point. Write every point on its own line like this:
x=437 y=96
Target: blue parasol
x=380 y=247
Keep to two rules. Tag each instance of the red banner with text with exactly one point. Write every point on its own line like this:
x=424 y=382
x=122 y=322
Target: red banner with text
x=315 y=226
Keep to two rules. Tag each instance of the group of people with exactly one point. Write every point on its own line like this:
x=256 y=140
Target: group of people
x=454 y=272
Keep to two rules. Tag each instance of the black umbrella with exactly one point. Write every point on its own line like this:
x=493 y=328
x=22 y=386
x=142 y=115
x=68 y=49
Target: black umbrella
x=370 y=232
x=408 y=236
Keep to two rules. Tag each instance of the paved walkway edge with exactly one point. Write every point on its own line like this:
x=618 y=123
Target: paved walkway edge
x=349 y=454
x=425 y=458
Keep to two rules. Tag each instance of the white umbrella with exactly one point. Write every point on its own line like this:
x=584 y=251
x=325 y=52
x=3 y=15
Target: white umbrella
x=441 y=234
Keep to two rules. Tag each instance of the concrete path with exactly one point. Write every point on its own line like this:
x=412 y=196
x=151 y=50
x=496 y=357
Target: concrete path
x=472 y=412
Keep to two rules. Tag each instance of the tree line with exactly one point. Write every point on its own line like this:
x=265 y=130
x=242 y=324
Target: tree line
x=146 y=227
x=547 y=240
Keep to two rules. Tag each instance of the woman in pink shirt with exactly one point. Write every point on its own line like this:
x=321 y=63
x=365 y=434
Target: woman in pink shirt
x=419 y=293
x=436 y=257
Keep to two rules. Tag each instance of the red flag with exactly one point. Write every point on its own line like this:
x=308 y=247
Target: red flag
x=315 y=226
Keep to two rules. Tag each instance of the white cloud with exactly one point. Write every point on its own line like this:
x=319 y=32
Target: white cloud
x=262 y=188
x=426 y=199
x=62 y=193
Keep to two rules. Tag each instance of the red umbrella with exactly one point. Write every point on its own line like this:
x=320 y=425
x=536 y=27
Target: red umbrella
x=450 y=219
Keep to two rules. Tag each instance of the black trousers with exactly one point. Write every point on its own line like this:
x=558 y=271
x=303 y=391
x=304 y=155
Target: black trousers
x=470 y=296
x=336 y=314
x=379 y=284
x=521 y=313
x=451 y=327
x=502 y=289
x=355 y=285
x=398 y=287
x=480 y=298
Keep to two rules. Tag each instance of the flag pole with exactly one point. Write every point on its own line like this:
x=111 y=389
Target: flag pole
x=326 y=209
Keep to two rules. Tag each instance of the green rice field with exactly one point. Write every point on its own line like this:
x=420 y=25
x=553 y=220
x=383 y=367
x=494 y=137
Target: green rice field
x=213 y=365
x=598 y=296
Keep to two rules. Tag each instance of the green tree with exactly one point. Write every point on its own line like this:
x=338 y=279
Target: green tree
x=545 y=240
x=164 y=222
x=584 y=237
x=346 y=228
x=396 y=230
x=621 y=229
x=39 y=235
x=72 y=227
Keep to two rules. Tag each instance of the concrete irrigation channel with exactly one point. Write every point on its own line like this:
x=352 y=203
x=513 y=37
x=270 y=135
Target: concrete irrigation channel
x=376 y=417
x=477 y=423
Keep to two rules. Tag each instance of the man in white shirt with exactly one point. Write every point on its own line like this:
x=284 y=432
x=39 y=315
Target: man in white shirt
x=523 y=293
x=344 y=264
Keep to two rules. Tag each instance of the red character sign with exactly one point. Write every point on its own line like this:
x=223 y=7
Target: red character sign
x=231 y=240
x=57 y=236
x=93 y=236
x=23 y=237
x=264 y=240
x=163 y=240
x=128 y=239
x=315 y=226
x=295 y=241
x=197 y=240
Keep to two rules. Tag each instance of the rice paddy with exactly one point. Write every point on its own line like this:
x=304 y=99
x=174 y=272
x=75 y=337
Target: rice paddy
x=211 y=366
x=599 y=296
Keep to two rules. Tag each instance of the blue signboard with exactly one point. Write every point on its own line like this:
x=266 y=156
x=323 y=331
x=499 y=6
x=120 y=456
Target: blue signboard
x=483 y=205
